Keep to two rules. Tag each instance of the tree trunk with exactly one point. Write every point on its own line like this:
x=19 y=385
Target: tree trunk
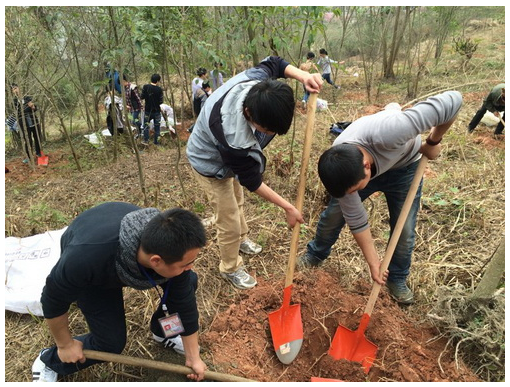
x=80 y=88
x=127 y=125
x=251 y=36
x=398 y=34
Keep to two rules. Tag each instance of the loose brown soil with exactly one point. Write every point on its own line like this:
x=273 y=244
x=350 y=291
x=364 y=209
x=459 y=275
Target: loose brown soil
x=239 y=339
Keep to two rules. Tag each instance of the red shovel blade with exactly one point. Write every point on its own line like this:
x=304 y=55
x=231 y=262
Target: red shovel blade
x=353 y=346
x=315 y=379
x=42 y=160
x=286 y=329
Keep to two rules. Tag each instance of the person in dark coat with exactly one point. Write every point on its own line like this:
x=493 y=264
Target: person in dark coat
x=109 y=247
x=25 y=112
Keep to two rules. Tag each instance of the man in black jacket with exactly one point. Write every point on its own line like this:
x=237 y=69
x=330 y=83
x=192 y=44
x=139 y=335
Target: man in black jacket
x=153 y=96
x=25 y=111
x=105 y=249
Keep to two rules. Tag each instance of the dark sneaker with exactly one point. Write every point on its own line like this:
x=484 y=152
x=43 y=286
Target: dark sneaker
x=469 y=130
x=240 y=279
x=171 y=342
x=41 y=372
x=400 y=292
x=308 y=260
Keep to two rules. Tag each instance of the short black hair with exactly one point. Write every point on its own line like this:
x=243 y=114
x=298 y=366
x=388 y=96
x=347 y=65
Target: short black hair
x=172 y=233
x=205 y=85
x=201 y=71
x=340 y=168
x=271 y=105
x=310 y=55
x=323 y=51
x=155 y=78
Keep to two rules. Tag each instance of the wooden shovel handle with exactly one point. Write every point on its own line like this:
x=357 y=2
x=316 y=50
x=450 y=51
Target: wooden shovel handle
x=310 y=119
x=398 y=230
x=159 y=365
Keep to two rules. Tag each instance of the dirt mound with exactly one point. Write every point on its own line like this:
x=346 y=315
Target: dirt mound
x=239 y=339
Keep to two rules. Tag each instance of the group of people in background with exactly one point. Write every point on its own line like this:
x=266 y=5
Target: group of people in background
x=324 y=62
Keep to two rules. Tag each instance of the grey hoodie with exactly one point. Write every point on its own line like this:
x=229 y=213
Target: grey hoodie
x=392 y=137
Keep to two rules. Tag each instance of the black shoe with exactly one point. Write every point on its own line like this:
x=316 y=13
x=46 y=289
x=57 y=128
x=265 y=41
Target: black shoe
x=308 y=260
x=400 y=292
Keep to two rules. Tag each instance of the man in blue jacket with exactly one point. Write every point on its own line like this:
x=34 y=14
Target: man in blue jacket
x=105 y=249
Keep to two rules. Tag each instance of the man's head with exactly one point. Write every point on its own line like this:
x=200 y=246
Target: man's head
x=201 y=72
x=206 y=86
x=342 y=168
x=155 y=78
x=15 y=89
x=310 y=55
x=270 y=104
x=323 y=52
x=172 y=234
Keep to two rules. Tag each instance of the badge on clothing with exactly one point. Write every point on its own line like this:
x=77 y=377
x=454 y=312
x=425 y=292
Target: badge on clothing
x=171 y=325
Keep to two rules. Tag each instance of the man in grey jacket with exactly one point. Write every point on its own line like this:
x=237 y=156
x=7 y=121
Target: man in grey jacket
x=380 y=152
x=225 y=148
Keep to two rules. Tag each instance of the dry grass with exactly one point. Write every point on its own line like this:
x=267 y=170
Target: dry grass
x=460 y=225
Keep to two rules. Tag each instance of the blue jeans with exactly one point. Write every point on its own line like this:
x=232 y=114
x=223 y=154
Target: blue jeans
x=136 y=120
x=156 y=116
x=394 y=184
x=327 y=78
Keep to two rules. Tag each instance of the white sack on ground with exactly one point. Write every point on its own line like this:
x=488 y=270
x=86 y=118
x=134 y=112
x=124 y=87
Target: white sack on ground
x=28 y=261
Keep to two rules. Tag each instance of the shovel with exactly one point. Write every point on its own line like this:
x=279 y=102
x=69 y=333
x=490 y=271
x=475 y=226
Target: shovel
x=159 y=365
x=42 y=160
x=285 y=323
x=352 y=345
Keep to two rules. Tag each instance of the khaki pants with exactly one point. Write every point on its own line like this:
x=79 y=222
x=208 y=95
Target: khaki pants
x=227 y=199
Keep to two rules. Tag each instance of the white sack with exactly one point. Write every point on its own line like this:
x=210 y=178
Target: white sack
x=490 y=119
x=28 y=261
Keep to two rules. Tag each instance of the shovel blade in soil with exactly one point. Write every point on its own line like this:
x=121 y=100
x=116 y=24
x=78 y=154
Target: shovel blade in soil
x=353 y=346
x=287 y=332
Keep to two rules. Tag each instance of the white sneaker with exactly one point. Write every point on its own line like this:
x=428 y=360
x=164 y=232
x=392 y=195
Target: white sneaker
x=41 y=372
x=209 y=221
x=249 y=247
x=240 y=279
x=171 y=342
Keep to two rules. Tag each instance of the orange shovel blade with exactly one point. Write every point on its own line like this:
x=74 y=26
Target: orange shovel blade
x=316 y=379
x=42 y=160
x=286 y=329
x=353 y=346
